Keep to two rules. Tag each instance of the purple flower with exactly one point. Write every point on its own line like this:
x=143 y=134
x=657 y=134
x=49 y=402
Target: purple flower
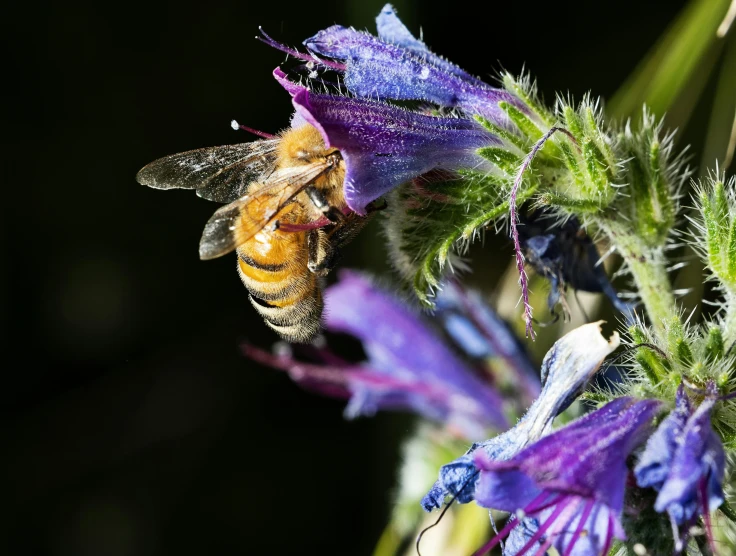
x=408 y=368
x=684 y=460
x=398 y=66
x=566 y=369
x=383 y=145
x=482 y=334
x=569 y=486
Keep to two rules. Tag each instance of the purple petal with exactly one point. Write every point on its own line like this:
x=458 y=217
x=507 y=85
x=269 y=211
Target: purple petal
x=699 y=459
x=392 y=30
x=384 y=146
x=586 y=458
x=567 y=534
x=656 y=459
x=399 y=346
x=379 y=69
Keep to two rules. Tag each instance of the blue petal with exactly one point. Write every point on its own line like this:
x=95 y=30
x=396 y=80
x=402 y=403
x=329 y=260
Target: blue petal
x=699 y=457
x=379 y=69
x=392 y=30
x=654 y=463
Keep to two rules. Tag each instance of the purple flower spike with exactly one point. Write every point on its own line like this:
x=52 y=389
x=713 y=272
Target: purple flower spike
x=684 y=460
x=570 y=484
x=566 y=369
x=384 y=146
x=409 y=367
x=400 y=67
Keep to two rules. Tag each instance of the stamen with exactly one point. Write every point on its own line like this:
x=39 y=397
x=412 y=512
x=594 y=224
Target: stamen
x=514 y=217
x=298 y=55
x=703 y=495
x=579 y=529
x=510 y=524
x=609 y=535
x=236 y=126
x=544 y=526
x=443 y=512
x=676 y=535
x=536 y=505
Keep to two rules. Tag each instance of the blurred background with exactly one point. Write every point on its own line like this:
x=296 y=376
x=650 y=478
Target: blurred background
x=131 y=423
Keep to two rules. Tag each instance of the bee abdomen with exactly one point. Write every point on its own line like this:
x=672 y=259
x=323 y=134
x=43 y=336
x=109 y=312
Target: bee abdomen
x=297 y=322
x=289 y=301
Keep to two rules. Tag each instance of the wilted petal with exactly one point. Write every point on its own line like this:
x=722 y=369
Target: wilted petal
x=384 y=146
x=566 y=369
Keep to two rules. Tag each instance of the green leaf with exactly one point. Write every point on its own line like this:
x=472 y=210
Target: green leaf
x=721 y=137
x=668 y=69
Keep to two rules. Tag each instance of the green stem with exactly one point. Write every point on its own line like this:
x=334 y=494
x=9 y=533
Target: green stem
x=647 y=265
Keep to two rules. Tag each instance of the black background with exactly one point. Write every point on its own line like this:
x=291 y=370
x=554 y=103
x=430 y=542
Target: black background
x=131 y=423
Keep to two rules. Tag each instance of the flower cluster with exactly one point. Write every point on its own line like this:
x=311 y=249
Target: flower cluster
x=455 y=157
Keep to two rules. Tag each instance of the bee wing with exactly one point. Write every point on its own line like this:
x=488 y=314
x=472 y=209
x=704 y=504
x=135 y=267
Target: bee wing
x=220 y=174
x=241 y=220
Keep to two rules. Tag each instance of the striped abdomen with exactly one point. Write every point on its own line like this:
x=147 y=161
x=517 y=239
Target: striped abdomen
x=273 y=266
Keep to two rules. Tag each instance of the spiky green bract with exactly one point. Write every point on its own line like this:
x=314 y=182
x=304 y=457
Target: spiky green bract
x=640 y=222
x=685 y=353
x=715 y=239
x=428 y=223
x=653 y=178
x=575 y=173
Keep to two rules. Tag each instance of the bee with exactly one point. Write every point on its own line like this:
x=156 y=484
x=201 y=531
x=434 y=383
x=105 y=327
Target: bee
x=286 y=217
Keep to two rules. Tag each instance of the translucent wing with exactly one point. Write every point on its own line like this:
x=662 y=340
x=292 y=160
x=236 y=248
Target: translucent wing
x=220 y=174
x=242 y=219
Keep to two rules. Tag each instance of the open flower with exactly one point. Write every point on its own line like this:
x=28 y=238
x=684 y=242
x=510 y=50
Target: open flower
x=684 y=461
x=569 y=486
x=383 y=145
x=566 y=369
x=409 y=367
x=398 y=66
x=483 y=335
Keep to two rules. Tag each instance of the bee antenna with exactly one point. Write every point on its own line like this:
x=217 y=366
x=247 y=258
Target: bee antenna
x=236 y=126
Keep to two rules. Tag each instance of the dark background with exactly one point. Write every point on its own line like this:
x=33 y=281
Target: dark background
x=131 y=423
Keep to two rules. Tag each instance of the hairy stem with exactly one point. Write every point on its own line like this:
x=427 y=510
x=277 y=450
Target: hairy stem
x=648 y=266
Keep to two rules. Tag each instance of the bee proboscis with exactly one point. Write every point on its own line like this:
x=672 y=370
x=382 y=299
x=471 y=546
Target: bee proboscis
x=286 y=217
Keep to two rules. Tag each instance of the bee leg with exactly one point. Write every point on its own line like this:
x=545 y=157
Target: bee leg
x=318 y=199
x=322 y=254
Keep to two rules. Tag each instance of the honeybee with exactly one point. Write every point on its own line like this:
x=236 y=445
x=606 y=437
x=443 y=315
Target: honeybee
x=286 y=218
